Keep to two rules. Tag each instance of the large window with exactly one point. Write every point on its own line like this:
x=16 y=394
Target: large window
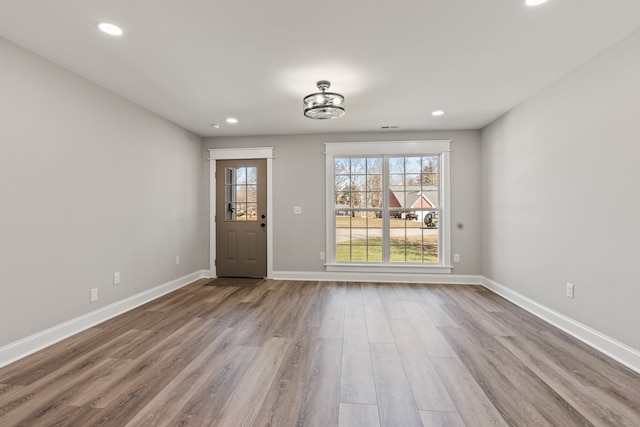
x=387 y=204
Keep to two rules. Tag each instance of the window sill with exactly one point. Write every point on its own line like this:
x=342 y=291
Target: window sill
x=389 y=268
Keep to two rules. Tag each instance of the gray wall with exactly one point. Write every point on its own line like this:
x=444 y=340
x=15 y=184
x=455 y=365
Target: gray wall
x=89 y=185
x=560 y=195
x=299 y=180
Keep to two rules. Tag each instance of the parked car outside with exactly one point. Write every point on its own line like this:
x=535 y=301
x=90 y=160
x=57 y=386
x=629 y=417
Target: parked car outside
x=431 y=220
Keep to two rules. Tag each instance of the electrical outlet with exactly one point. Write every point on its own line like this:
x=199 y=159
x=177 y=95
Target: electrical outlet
x=322 y=256
x=297 y=210
x=569 y=290
x=116 y=278
x=456 y=257
x=178 y=260
x=94 y=295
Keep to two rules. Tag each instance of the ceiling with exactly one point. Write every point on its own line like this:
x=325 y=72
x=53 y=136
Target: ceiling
x=197 y=62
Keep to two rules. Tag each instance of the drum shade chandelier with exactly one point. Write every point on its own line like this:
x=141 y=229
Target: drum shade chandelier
x=323 y=105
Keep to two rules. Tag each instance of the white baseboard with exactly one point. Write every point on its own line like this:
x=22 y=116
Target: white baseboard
x=324 y=276
x=26 y=346
x=604 y=344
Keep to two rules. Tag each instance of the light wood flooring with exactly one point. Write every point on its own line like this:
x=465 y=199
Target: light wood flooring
x=288 y=353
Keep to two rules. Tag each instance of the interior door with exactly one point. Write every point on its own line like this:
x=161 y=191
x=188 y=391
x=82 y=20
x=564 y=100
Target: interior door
x=241 y=222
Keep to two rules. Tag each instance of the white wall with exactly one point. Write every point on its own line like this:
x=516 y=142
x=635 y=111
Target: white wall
x=89 y=185
x=560 y=195
x=299 y=180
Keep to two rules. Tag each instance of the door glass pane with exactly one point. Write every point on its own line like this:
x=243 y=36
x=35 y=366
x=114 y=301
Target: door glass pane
x=241 y=193
x=241 y=175
x=251 y=212
x=252 y=193
x=252 y=175
x=241 y=209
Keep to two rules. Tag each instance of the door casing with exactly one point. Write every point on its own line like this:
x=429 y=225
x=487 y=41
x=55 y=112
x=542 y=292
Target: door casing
x=238 y=154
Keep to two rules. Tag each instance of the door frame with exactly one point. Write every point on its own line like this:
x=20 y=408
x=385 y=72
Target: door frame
x=239 y=154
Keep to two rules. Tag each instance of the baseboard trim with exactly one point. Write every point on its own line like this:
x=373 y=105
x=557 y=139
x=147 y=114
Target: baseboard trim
x=616 y=350
x=38 y=341
x=324 y=276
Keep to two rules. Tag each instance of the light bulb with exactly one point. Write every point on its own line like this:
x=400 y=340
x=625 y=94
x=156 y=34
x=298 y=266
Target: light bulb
x=112 y=30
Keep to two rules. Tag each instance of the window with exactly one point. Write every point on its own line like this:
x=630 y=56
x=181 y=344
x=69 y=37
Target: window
x=388 y=211
x=240 y=193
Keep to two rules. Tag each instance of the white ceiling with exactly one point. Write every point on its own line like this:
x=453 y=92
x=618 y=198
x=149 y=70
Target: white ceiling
x=196 y=62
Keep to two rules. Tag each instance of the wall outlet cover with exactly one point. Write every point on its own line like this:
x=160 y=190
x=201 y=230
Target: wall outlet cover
x=570 y=290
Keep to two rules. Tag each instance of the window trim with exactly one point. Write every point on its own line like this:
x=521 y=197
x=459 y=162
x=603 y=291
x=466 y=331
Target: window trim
x=391 y=148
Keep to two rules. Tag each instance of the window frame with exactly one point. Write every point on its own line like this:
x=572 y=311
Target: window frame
x=441 y=148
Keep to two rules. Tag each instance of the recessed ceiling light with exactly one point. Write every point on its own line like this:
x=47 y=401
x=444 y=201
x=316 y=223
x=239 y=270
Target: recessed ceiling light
x=215 y=125
x=437 y=113
x=232 y=120
x=110 y=29
x=534 y=2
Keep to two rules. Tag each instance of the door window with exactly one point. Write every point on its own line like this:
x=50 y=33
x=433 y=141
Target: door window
x=241 y=193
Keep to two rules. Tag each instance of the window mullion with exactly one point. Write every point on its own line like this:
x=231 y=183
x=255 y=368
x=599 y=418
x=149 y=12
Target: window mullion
x=386 y=231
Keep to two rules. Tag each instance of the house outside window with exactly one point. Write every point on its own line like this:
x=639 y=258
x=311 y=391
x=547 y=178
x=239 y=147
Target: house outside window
x=387 y=206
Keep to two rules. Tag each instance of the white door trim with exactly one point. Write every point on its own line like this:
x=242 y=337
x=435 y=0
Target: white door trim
x=238 y=154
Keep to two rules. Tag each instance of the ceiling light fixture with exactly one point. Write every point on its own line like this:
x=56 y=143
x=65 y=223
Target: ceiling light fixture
x=232 y=120
x=111 y=29
x=437 y=113
x=534 y=2
x=323 y=105
x=215 y=125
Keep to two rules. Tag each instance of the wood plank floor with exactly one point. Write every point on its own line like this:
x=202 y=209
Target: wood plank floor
x=288 y=353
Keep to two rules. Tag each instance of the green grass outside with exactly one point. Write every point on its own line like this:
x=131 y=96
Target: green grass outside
x=359 y=251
